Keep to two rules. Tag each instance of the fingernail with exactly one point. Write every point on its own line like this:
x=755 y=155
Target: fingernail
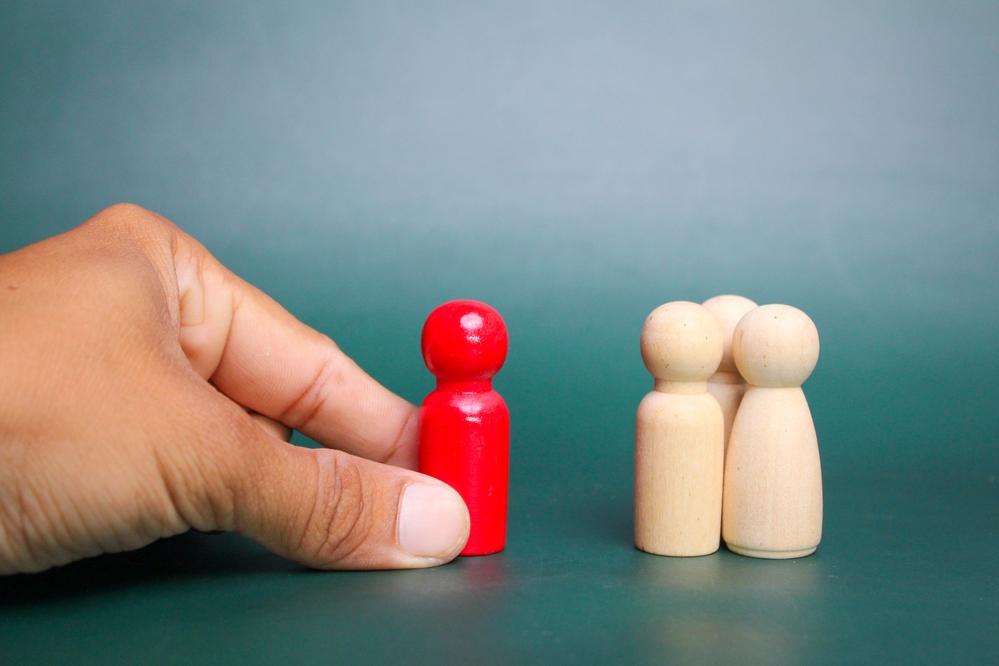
x=432 y=521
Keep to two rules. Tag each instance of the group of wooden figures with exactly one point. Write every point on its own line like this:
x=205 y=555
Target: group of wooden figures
x=725 y=446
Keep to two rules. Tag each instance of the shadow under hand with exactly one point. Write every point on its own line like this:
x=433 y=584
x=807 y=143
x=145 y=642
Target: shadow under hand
x=187 y=556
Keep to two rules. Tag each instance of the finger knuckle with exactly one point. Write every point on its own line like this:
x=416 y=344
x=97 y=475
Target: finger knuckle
x=310 y=400
x=124 y=209
x=193 y=490
x=330 y=343
x=199 y=471
x=131 y=222
x=341 y=518
x=123 y=217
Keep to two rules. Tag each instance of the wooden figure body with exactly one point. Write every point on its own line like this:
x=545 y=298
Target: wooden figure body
x=773 y=478
x=679 y=435
x=727 y=385
x=464 y=423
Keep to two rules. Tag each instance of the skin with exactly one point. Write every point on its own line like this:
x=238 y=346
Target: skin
x=147 y=390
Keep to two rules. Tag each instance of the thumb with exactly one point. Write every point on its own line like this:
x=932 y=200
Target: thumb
x=330 y=510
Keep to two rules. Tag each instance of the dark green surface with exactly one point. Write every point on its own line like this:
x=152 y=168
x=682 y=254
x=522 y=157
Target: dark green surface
x=575 y=165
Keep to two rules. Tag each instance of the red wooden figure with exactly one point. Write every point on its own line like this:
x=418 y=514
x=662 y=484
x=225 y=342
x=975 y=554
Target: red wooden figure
x=464 y=423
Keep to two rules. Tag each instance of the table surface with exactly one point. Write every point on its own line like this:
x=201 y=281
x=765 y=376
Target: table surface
x=575 y=166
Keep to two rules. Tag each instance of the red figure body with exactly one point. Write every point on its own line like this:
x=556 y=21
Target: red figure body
x=464 y=423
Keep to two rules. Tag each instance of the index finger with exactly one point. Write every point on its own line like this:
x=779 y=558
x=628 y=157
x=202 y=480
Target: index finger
x=259 y=355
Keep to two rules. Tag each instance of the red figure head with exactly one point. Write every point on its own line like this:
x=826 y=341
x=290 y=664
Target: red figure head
x=464 y=340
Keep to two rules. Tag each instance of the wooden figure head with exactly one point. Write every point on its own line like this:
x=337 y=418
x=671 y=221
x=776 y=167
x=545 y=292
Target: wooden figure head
x=681 y=342
x=776 y=346
x=728 y=309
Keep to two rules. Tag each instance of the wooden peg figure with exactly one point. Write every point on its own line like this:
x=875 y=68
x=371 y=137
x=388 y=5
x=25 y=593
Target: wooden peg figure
x=464 y=423
x=727 y=385
x=679 y=435
x=773 y=480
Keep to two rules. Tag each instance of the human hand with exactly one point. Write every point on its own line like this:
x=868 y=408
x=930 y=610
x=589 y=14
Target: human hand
x=146 y=390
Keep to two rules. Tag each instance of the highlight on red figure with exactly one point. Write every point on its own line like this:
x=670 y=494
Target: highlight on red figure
x=464 y=423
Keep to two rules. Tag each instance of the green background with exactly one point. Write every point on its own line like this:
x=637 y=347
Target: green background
x=574 y=164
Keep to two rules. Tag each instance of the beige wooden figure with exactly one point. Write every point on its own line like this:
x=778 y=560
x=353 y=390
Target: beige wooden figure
x=773 y=480
x=679 y=435
x=727 y=385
